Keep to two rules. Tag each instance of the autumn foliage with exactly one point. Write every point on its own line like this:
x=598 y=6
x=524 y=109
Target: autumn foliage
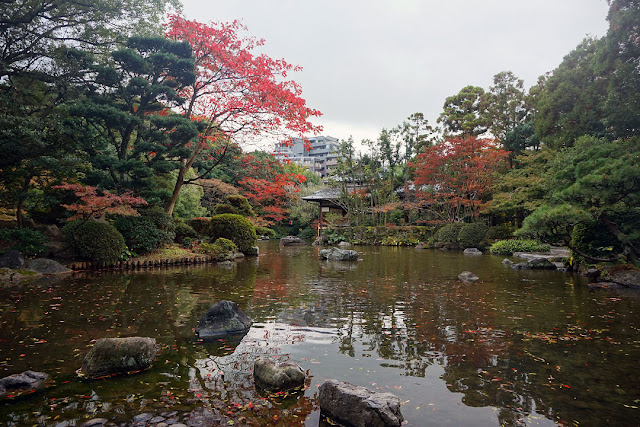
x=453 y=177
x=268 y=188
x=237 y=89
x=238 y=93
x=94 y=203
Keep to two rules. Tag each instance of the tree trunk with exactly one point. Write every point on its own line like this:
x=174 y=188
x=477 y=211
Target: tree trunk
x=176 y=190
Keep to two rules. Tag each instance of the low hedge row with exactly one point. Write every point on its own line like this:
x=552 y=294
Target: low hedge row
x=508 y=247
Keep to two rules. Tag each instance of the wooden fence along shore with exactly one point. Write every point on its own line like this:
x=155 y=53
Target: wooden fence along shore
x=138 y=264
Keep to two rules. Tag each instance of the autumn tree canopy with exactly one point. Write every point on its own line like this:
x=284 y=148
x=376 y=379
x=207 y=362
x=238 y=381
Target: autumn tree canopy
x=237 y=93
x=452 y=178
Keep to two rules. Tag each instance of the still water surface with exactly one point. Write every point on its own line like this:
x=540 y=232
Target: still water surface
x=517 y=348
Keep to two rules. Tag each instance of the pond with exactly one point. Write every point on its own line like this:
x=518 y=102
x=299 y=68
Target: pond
x=516 y=348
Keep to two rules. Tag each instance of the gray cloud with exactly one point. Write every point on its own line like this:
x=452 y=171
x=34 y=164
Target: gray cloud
x=369 y=64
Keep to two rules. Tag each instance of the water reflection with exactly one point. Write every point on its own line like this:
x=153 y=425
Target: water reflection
x=519 y=347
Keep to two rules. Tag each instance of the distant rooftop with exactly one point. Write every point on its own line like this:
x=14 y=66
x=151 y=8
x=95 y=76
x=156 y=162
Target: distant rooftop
x=325 y=194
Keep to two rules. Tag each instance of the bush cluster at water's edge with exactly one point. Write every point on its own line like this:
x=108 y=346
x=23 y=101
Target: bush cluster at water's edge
x=381 y=235
x=236 y=228
x=508 y=247
x=95 y=240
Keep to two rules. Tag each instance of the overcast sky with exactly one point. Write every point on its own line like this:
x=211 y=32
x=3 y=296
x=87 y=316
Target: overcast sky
x=369 y=64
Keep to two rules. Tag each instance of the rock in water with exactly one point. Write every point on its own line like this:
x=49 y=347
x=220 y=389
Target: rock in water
x=337 y=254
x=359 y=406
x=277 y=376
x=628 y=278
x=223 y=318
x=47 y=266
x=21 y=383
x=535 y=264
x=111 y=356
x=472 y=251
x=292 y=241
x=252 y=251
x=12 y=259
x=467 y=276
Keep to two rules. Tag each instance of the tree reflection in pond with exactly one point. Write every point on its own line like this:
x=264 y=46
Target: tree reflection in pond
x=517 y=347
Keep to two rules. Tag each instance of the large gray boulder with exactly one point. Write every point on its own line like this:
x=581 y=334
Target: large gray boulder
x=223 y=318
x=12 y=259
x=277 y=376
x=292 y=241
x=337 y=254
x=535 y=264
x=628 y=278
x=22 y=383
x=47 y=266
x=472 y=251
x=467 y=276
x=358 y=406
x=112 y=356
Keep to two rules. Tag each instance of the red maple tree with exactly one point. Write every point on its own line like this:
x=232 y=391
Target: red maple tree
x=269 y=188
x=453 y=177
x=93 y=203
x=237 y=92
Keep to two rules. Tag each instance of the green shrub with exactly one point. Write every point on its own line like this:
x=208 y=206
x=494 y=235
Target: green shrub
x=236 y=228
x=264 y=231
x=94 y=240
x=185 y=231
x=140 y=233
x=162 y=220
x=399 y=240
x=147 y=232
x=240 y=204
x=508 y=247
x=29 y=242
x=219 y=249
x=472 y=235
x=225 y=245
x=449 y=233
x=308 y=233
x=500 y=232
x=594 y=240
x=224 y=208
x=200 y=225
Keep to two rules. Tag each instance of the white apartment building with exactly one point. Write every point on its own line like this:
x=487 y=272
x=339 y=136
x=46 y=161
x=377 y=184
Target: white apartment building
x=319 y=155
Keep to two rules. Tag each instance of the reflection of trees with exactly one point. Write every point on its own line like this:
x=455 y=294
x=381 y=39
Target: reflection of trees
x=483 y=336
x=222 y=374
x=512 y=345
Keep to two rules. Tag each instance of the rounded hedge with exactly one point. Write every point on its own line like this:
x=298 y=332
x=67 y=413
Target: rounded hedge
x=184 y=231
x=200 y=225
x=499 y=232
x=449 y=233
x=95 y=240
x=220 y=249
x=234 y=227
x=240 y=204
x=162 y=220
x=141 y=233
x=472 y=235
x=224 y=208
